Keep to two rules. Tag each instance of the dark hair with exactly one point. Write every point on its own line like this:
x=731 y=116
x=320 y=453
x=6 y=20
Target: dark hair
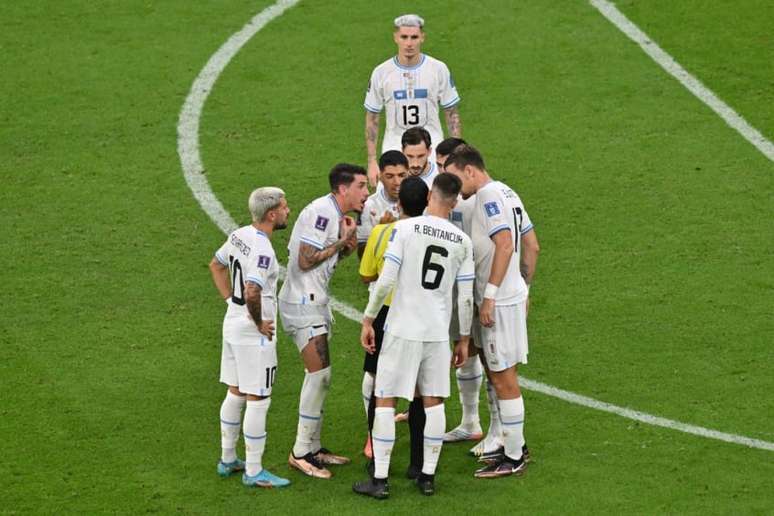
x=447 y=146
x=392 y=158
x=465 y=155
x=344 y=174
x=448 y=186
x=413 y=196
x=415 y=136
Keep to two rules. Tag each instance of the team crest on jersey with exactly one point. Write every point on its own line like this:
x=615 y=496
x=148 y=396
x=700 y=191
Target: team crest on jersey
x=264 y=261
x=321 y=223
x=456 y=216
x=492 y=209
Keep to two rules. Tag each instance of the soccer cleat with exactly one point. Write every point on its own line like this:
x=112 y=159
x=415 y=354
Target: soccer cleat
x=500 y=453
x=377 y=488
x=309 y=465
x=226 y=469
x=368 y=449
x=461 y=433
x=426 y=484
x=413 y=471
x=324 y=456
x=401 y=417
x=264 y=479
x=487 y=445
x=502 y=468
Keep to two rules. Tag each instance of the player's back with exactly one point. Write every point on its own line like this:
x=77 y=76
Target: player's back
x=431 y=253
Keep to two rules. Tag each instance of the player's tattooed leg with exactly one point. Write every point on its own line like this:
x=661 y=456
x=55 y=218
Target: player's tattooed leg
x=321 y=345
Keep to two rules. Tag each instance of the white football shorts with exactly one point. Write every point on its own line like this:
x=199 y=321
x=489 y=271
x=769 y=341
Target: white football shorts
x=302 y=322
x=248 y=361
x=408 y=364
x=505 y=343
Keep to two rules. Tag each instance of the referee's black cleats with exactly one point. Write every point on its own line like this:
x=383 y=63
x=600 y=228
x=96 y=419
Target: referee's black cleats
x=413 y=471
x=426 y=484
x=378 y=488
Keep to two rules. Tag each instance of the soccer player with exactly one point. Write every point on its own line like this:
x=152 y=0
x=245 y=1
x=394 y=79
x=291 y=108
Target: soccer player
x=245 y=272
x=417 y=147
x=413 y=201
x=506 y=250
x=424 y=259
x=409 y=87
x=382 y=206
x=322 y=235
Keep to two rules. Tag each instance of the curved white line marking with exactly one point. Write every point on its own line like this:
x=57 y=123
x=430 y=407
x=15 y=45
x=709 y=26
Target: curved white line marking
x=193 y=170
x=692 y=84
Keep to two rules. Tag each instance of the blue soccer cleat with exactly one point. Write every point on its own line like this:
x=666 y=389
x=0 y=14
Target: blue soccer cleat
x=264 y=479
x=227 y=469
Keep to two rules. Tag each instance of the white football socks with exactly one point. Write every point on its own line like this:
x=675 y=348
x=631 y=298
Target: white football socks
x=494 y=431
x=469 y=378
x=313 y=392
x=512 y=416
x=230 y=423
x=368 y=390
x=255 y=434
x=435 y=423
x=383 y=435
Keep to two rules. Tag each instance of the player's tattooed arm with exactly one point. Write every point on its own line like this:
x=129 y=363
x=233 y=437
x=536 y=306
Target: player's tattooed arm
x=310 y=257
x=453 y=121
x=372 y=138
x=253 y=303
x=530 y=248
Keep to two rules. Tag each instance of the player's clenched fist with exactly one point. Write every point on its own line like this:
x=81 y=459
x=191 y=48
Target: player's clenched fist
x=367 y=336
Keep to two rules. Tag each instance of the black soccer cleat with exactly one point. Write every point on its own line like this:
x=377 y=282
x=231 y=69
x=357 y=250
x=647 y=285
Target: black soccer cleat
x=502 y=468
x=377 y=488
x=426 y=484
x=498 y=454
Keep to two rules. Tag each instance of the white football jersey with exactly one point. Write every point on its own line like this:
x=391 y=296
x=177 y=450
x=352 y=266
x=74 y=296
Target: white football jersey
x=411 y=97
x=250 y=257
x=462 y=214
x=317 y=225
x=432 y=255
x=498 y=208
x=373 y=209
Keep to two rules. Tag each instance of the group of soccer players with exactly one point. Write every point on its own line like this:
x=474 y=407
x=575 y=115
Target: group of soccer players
x=448 y=253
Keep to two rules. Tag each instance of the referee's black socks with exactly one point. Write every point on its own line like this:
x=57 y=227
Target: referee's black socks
x=416 y=422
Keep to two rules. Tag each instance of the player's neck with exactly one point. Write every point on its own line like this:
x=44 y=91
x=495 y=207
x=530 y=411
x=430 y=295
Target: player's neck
x=438 y=210
x=264 y=227
x=409 y=61
x=341 y=202
x=482 y=179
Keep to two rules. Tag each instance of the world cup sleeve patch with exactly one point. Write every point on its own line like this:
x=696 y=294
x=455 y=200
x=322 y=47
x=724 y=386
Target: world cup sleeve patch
x=492 y=209
x=264 y=261
x=321 y=223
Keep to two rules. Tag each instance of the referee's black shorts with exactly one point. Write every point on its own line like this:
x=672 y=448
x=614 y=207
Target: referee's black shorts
x=369 y=364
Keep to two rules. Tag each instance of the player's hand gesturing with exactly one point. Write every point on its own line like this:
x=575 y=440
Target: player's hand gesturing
x=267 y=328
x=348 y=227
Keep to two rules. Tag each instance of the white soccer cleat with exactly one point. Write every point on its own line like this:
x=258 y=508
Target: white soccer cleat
x=464 y=433
x=487 y=445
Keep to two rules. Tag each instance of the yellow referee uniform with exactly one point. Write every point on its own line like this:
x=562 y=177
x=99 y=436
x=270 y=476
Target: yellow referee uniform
x=372 y=262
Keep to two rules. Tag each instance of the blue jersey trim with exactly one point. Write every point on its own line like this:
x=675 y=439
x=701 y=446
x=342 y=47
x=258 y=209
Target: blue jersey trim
x=451 y=104
x=371 y=108
x=501 y=227
x=314 y=244
x=526 y=230
x=397 y=63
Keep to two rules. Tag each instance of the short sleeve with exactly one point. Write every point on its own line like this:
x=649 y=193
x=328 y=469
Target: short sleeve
x=493 y=208
x=394 y=252
x=317 y=225
x=448 y=96
x=222 y=254
x=526 y=223
x=259 y=268
x=374 y=102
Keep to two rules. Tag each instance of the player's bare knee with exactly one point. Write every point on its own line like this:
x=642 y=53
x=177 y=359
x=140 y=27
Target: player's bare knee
x=385 y=402
x=235 y=390
x=431 y=401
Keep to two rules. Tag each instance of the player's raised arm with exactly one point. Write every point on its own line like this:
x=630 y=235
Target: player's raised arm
x=310 y=257
x=372 y=138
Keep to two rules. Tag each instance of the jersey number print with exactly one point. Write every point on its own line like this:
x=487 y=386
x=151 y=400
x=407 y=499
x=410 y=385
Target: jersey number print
x=428 y=265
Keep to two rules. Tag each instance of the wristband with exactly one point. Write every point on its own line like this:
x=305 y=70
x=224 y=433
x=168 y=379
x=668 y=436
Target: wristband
x=490 y=292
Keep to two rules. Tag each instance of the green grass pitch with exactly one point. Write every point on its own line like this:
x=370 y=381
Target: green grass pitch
x=654 y=291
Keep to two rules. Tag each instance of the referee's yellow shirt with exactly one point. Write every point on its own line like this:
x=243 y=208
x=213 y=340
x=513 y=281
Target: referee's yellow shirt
x=372 y=262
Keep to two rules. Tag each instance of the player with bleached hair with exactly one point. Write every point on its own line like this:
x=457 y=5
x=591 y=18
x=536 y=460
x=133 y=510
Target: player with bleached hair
x=410 y=88
x=506 y=251
x=426 y=257
x=245 y=272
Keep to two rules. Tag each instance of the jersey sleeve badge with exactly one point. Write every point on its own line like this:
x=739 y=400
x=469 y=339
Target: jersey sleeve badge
x=492 y=209
x=321 y=223
x=264 y=261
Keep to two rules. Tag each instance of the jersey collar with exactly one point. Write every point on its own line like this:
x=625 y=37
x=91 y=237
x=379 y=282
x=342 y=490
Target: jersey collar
x=335 y=204
x=430 y=171
x=383 y=193
x=261 y=233
x=420 y=63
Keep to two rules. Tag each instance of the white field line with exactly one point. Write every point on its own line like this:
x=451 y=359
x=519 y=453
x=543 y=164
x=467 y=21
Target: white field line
x=693 y=84
x=193 y=170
